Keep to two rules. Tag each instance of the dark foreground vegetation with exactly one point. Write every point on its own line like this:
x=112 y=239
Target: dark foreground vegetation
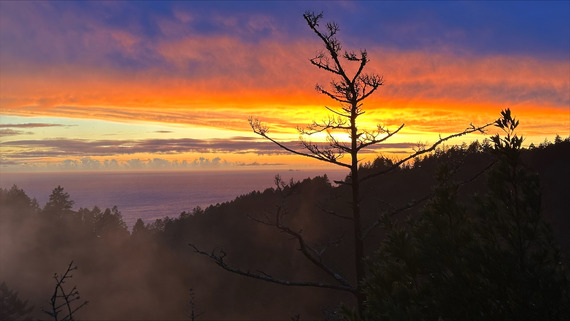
x=463 y=233
x=468 y=233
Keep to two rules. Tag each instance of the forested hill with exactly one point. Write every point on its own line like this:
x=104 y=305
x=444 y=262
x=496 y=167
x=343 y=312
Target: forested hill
x=148 y=273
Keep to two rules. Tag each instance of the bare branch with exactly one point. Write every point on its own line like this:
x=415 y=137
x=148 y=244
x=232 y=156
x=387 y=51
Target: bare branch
x=258 y=127
x=266 y=222
x=373 y=81
x=323 y=63
x=333 y=213
x=339 y=98
x=363 y=61
x=326 y=245
x=338 y=145
x=68 y=297
x=331 y=43
x=426 y=150
x=313 y=255
x=350 y=56
x=306 y=249
x=262 y=130
x=219 y=260
x=330 y=124
x=338 y=113
x=312 y=18
x=328 y=154
x=372 y=139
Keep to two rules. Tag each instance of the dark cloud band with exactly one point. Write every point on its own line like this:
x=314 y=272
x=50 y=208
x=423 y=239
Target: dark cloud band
x=30 y=125
x=78 y=147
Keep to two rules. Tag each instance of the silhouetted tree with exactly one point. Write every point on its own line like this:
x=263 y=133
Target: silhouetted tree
x=16 y=206
x=530 y=280
x=16 y=197
x=110 y=222
x=59 y=203
x=89 y=218
x=497 y=263
x=139 y=228
x=12 y=307
x=350 y=91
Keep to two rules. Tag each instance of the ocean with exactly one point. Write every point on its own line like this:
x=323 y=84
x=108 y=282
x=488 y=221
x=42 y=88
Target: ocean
x=152 y=195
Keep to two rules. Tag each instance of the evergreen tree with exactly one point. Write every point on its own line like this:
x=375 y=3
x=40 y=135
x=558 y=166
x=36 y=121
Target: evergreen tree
x=522 y=258
x=139 y=229
x=499 y=263
x=110 y=222
x=16 y=198
x=12 y=307
x=59 y=203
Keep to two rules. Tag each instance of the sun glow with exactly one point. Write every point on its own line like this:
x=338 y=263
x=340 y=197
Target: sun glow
x=130 y=91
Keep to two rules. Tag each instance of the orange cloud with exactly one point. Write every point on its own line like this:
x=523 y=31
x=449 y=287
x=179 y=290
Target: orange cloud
x=220 y=82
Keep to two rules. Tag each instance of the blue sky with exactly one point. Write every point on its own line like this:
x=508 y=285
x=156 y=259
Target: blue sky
x=527 y=28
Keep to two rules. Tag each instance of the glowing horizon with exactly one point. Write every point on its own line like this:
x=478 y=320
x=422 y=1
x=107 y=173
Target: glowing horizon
x=166 y=87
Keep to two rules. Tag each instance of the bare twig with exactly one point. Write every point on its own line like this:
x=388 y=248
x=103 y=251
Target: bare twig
x=313 y=255
x=262 y=130
x=333 y=213
x=68 y=297
x=219 y=260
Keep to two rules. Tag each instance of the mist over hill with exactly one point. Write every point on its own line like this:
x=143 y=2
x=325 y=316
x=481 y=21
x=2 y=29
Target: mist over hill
x=147 y=274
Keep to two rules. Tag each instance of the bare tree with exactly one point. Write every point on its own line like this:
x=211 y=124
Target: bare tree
x=62 y=300
x=349 y=91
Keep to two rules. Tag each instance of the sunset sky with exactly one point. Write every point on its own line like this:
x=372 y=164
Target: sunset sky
x=127 y=84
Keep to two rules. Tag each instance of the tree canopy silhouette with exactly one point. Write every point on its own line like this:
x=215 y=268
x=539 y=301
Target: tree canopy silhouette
x=349 y=91
x=153 y=270
x=495 y=260
x=12 y=307
x=59 y=202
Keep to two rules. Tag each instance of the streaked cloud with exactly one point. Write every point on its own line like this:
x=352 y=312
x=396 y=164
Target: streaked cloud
x=12 y=132
x=30 y=125
x=76 y=147
x=206 y=65
x=412 y=81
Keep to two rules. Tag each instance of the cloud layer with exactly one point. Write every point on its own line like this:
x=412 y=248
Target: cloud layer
x=78 y=147
x=199 y=64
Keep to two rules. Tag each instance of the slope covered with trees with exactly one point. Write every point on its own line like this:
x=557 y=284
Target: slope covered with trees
x=493 y=260
x=350 y=86
x=437 y=222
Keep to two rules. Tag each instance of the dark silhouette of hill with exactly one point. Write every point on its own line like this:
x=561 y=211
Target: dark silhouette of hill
x=148 y=273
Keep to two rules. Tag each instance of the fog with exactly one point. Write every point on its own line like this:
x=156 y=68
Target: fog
x=145 y=271
x=152 y=195
x=148 y=274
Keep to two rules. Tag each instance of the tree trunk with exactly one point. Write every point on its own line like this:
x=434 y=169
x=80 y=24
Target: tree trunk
x=357 y=225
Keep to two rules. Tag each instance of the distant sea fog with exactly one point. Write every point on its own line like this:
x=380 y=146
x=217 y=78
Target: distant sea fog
x=152 y=195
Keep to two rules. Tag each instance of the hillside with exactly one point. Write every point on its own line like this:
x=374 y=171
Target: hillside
x=147 y=274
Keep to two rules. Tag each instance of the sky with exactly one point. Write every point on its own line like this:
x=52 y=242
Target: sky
x=122 y=85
